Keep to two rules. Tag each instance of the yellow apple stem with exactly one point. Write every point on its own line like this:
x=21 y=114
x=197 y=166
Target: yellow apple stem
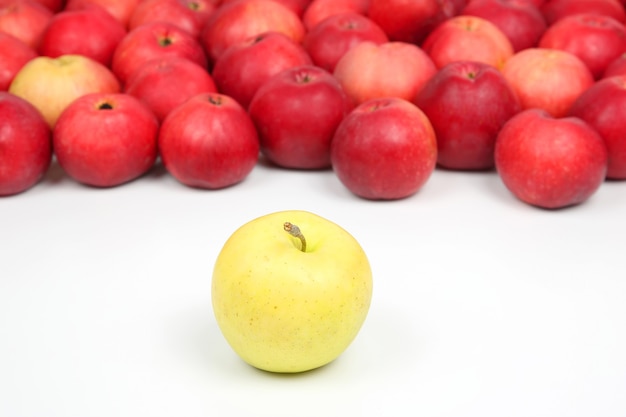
x=294 y=231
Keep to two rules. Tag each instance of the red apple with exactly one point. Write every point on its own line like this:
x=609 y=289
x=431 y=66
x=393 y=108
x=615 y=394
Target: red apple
x=53 y=5
x=245 y=66
x=596 y=39
x=24 y=19
x=385 y=149
x=616 y=67
x=412 y=21
x=393 y=69
x=296 y=6
x=209 y=142
x=468 y=38
x=330 y=39
x=105 y=140
x=51 y=84
x=119 y=9
x=14 y=54
x=554 y=10
x=520 y=20
x=190 y=15
x=550 y=162
x=165 y=83
x=320 y=10
x=296 y=113
x=25 y=145
x=467 y=103
x=236 y=21
x=548 y=79
x=90 y=32
x=151 y=41
x=603 y=107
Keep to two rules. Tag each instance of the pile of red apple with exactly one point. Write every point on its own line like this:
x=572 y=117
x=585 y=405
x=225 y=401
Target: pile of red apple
x=380 y=91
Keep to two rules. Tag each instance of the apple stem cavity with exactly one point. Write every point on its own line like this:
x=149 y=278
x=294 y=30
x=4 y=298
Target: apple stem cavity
x=294 y=231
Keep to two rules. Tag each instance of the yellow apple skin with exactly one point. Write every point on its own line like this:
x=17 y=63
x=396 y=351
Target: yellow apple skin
x=284 y=310
x=51 y=84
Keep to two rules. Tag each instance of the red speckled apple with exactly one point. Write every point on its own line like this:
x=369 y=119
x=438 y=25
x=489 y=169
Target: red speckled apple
x=603 y=107
x=392 y=69
x=209 y=142
x=547 y=79
x=25 y=20
x=14 y=54
x=25 y=145
x=467 y=103
x=385 y=149
x=550 y=162
x=296 y=113
x=105 y=140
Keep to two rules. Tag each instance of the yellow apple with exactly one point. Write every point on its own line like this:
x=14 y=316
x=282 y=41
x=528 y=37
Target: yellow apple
x=51 y=84
x=290 y=291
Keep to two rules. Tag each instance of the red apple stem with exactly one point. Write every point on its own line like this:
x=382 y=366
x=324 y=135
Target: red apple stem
x=294 y=231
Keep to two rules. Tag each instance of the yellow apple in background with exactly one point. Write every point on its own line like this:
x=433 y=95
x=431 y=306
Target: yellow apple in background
x=51 y=84
x=285 y=309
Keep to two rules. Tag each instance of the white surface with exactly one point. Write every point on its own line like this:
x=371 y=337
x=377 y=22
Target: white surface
x=483 y=306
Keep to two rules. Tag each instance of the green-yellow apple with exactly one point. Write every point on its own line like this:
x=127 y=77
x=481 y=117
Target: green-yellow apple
x=51 y=84
x=291 y=291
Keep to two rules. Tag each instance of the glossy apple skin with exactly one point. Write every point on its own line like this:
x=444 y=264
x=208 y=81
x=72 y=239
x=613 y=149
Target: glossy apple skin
x=520 y=20
x=329 y=40
x=393 y=69
x=190 y=15
x=319 y=10
x=151 y=41
x=106 y=140
x=596 y=39
x=385 y=149
x=296 y=113
x=236 y=21
x=550 y=162
x=244 y=67
x=468 y=38
x=548 y=79
x=14 y=54
x=51 y=84
x=165 y=83
x=554 y=10
x=119 y=9
x=209 y=142
x=412 y=21
x=603 y=107
x=25 y=145
x=616 y=67
x=25 y=20
x=89 y=32
x=467 y=103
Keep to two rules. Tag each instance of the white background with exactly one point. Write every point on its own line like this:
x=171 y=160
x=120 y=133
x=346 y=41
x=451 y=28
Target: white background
x=483 y=306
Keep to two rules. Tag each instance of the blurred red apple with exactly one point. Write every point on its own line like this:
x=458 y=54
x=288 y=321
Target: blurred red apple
x=154 y=40
x=520 y=20
x=384 y=149
x=296 y=6
x=603 y=107
x=554 y=10
x=51 y=84
x=616 y=67
x=165 y=83
x=209 y=142
x=246 y=65
x=596 y=39
x=467 y=103
x=548 y=79
x=53 y=5
x=90 y=32
x=119 y=9
x=105 y=140
x=550 y=162
x=319 y=10
x=14 y=54
x=296 y=113
x=25 y=20
x=236 y=21
x=190 y=15
x=331 y=38
x=468 y=38
x=25 y=145
x=393 y=69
